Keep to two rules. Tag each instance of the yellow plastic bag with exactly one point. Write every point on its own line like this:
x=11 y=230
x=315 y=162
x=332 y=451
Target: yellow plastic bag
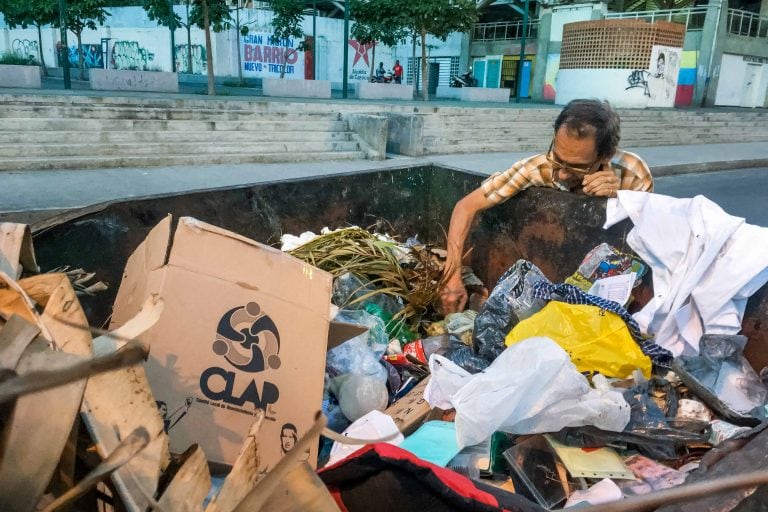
x=596 y=340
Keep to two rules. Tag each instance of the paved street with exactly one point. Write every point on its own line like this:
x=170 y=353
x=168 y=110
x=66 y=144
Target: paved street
x=742 y=192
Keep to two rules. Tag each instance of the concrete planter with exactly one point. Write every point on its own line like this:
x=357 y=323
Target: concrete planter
x=12 y=75
x=296 y=88
x=474 y=94
x=374 y=91
x=128 y=80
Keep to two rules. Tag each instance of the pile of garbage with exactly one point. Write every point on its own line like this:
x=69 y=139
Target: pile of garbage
x=552 y=390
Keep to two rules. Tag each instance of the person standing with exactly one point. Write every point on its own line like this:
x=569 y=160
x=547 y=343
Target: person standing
x=397 y=71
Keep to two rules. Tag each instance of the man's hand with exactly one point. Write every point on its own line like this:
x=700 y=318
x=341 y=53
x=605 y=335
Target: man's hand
x=600 y=184
x=453 y=297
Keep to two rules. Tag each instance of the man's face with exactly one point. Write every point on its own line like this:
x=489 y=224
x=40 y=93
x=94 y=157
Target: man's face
x=287 y=439
x=573 y=157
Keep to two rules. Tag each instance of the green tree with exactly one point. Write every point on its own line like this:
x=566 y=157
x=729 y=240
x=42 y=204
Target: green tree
x=82 y=14
x=371 y=27
x=286 y=24
x=438 y=18
x=241 y=28
x=656 y=5
x=162 y=12
x=25 y=13
x=210 y=15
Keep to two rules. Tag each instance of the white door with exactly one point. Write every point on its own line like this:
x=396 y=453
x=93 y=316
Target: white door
x=751 y=85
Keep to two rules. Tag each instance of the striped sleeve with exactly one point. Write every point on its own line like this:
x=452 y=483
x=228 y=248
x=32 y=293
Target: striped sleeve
x=635 y=174
x=500 y=186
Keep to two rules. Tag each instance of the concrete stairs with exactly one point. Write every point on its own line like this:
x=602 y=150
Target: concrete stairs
x=530 y=129
x=59 y=132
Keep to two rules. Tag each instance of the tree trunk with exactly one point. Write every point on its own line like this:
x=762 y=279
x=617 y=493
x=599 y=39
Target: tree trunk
x=189 y=47
x=414 y=67
x=189 y=41
x=424 y=67
x=373 y=61
x=80 y=56
x=208 y=52
x=285 y=61
x=239 y=58
x=40 y=50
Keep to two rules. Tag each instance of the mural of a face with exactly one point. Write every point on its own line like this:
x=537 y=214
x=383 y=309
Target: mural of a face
x=660 y=65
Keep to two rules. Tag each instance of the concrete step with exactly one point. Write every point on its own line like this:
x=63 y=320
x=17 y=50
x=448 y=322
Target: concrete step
x=106 y=112
x=107 y=162
x=85 y=125
x=135 y=136
x=187 y=148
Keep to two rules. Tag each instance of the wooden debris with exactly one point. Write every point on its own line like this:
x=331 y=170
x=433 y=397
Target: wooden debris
x=14 y=339
x=38 y=431
x=301 y=490
x=45 y=378
x=189 y=486
x=125 y=451
x=245 y=472
x=259 y=495
x=16 y=252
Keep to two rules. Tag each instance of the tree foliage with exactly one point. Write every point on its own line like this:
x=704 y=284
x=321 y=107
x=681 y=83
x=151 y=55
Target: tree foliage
x=26 y=13
x=286 y=24
x=438 y=18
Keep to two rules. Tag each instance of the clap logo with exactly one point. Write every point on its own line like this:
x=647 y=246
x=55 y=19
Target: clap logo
x=248 y=340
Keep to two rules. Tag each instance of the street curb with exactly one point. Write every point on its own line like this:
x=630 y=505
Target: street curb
x=700 y=167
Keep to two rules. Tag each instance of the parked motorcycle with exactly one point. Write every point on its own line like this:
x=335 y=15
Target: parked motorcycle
x=386 y=78
x=464 y=80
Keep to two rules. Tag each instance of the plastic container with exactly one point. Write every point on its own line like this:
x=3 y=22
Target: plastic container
x=537 y=473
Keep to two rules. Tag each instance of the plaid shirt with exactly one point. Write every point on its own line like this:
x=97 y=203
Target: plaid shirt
x=536 y=171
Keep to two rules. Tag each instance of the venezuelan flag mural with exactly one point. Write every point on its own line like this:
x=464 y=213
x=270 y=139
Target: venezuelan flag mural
x=686 y=79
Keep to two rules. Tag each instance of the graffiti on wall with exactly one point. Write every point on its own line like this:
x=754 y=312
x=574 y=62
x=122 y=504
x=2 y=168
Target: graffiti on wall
x=638 y=78
x=664 y=69
x=199 y=63
x=26 y=49
x=92 y=57
x=130 y=55
x=265 y=55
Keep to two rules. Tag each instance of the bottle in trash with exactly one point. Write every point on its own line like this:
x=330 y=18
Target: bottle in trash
x=423 y=348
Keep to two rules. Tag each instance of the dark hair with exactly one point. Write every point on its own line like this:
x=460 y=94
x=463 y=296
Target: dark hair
x=661 y=57
x=584 y=118
x=289 y=426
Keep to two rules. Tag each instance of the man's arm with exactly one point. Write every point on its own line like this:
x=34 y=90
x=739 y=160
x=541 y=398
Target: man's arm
x=453 y=296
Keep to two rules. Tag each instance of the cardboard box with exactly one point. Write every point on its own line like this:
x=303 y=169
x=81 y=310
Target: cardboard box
x=410 y=410
x=244 y=327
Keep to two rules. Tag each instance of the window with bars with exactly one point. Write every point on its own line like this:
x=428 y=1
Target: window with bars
x=449 y=66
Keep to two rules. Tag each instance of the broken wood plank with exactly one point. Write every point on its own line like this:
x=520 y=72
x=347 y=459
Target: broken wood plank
x=119 y=401
x=14 y=301
x=16 y=251
x=259 y=495
x=301 y=490
x=245 y=472
x=16 y=335
x=125 y=451
x=38 y=431
x=190 y=485
x=42 y=379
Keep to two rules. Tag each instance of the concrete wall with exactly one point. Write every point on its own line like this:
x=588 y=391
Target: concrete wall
x=743 y=82
x=655 y=86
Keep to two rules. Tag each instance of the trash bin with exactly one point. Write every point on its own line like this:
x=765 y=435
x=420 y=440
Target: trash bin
x=434 y=77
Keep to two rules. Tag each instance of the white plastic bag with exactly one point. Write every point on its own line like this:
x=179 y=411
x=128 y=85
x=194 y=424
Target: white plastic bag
x=447 y=378
x=531 y=388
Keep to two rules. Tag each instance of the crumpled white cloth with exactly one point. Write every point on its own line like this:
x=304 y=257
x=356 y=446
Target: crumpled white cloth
x=706 y=264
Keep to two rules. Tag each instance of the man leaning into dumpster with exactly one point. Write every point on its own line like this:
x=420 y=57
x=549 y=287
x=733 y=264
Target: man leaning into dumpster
x=583 y=158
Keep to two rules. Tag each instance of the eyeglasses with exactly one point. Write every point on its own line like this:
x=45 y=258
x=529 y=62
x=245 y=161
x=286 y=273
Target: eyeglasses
x=578 y=170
